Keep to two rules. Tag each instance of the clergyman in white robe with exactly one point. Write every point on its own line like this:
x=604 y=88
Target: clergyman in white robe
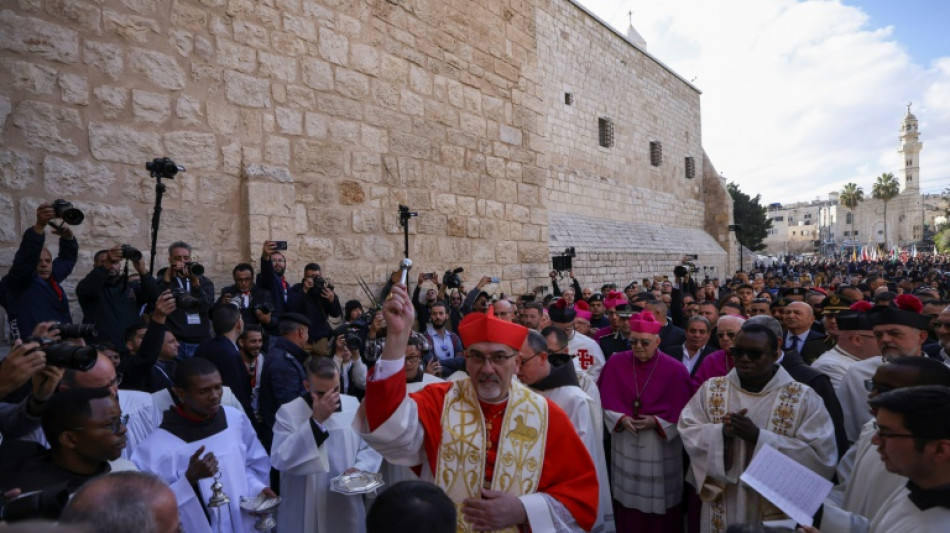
x=308 y=457
x=853 y=395
x=791 y=418
x=242 y=463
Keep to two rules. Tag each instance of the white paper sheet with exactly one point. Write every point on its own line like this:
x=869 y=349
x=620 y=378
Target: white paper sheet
x=791 y=487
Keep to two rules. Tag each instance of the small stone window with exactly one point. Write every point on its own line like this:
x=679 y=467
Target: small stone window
x=690 y=167
x=568 y=99
x=656 y=153
x=606 y=128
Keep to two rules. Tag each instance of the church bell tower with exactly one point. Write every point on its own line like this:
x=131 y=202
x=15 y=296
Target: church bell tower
x=910 y=146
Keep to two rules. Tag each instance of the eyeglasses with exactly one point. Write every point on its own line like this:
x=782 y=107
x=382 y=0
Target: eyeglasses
x=414 y=359
x=884 y=435
x=938 y=325
x=524 y=361
x=724 y=334
x=751 y=355
x=871 y=386
x=113 y=426
x=642 y=342
x=496 y=361
x=116 y=381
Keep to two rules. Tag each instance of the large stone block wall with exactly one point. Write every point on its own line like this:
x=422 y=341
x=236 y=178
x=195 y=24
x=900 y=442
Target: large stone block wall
x=311 y=120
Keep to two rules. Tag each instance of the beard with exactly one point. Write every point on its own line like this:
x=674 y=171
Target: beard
x=438 y=323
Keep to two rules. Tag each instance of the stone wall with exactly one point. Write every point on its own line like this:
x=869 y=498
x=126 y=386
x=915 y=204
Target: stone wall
x=312 y=120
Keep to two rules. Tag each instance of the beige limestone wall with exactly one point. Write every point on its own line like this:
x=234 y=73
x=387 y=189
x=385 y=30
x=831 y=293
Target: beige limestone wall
x=310 y=121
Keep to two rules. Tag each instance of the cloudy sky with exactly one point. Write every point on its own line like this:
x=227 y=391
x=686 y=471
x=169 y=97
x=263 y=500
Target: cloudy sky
x=803 y=96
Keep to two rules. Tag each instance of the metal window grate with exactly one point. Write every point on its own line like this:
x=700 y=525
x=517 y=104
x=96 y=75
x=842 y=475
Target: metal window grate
x=690 y=167
x=656 y=153
x=568 y=99
x=606 y=128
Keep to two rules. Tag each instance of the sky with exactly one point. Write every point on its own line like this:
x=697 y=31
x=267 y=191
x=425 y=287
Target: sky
x=803 y=96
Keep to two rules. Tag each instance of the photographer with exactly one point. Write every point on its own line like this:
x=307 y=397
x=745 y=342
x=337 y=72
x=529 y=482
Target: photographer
x=255 y=303
x=346 y=354
x=30 y=292
x=313 y=298
x=271 y=277
x=477 y=300
x=25 y=364
x=191 y=325
x=112 y=301
x=143 y=344
x=556 y=291
x=423 y=308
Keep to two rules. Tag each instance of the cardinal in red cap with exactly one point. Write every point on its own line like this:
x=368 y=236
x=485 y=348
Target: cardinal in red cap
x=453 y=432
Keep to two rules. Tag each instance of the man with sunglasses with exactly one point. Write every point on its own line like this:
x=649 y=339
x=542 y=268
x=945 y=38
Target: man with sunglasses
x=727 y=421
x=523 y=463
x=864 y=482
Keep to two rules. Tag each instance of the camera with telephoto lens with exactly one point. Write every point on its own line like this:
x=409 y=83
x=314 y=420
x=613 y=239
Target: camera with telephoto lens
x=184 y=300
x=163 y=167
x=264 y=307
x=44 y=504
x=451 y=278
x=75 y=331
x=65 y=354
x=131 y=253
x=64 y=210
x=353 y=341
x=320 y=283
x=195 y=268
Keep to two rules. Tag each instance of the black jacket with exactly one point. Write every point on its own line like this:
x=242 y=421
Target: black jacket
x=177 y=322
x=677 y=353
x=112 y=303
x=225 y=355
x=315 y=307
x=793 y=364
x=670 y=336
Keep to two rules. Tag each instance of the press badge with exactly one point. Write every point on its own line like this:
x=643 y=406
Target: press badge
x=193 y=319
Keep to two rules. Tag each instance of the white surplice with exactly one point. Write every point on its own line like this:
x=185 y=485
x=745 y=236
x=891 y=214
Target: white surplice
x=807 y=437
x=864 y=485
x=580 y=409
x=242 y=462
x=587 y=355
x=853 y=395
x=308 y=505
x=834 y=363
x=163 y=400
x=395 y=473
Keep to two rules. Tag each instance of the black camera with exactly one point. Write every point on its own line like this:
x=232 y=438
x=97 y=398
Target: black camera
x=195 y=268
x=353 y=341
x=45 y=504
x=69 y=214
x=451 y=278
x=565 y=261
x=320 y=283
x=75 y=331
x=184 y=300
x=264 y=307
x=131 y=253
x=163 y=167
x=66 y=355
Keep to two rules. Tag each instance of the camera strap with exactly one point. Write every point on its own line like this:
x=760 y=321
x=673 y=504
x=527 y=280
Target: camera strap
x=186 y=284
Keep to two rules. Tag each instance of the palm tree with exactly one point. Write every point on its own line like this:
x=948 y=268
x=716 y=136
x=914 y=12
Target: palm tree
x=851 y=195
x=885 y=188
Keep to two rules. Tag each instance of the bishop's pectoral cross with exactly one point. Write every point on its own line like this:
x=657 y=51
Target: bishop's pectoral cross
x=636 y=408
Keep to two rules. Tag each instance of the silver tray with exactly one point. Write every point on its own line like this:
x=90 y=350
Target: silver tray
x=359 y=482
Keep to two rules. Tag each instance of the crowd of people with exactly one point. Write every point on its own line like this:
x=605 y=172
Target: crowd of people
x=635 y=406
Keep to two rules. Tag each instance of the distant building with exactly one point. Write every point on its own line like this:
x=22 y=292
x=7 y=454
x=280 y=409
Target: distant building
x=824 y=226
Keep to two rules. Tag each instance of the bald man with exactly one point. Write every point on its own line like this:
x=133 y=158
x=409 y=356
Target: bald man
x=125 y=501
x=504 y=310
x=799 y=336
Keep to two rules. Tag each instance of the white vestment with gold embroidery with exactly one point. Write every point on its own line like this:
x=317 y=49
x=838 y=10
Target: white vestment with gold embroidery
x=791 y=418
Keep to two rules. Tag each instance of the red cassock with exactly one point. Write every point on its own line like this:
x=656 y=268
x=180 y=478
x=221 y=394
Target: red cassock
x=567 y=473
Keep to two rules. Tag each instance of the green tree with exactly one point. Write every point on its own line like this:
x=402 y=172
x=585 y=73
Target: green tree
x=885 y=188
x=942 y=241
x=851 y=195
x=750 y=216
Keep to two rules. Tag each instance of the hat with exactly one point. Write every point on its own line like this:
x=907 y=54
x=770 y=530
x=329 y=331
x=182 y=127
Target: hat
x=645 y=322
x=821 y=290
x=581 y=309
x=480 y=327
x=350 y=306
x=631 y=285
x=835 y=304
x=596 y=297
x=794 y=291
x=780 y=302
x=624 y=310
x=560 y=312
x=906 y=313
x=851 y=321
x=296 y=318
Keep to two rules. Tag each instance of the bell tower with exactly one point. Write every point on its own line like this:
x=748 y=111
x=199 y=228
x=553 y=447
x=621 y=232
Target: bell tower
x=910 y=146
